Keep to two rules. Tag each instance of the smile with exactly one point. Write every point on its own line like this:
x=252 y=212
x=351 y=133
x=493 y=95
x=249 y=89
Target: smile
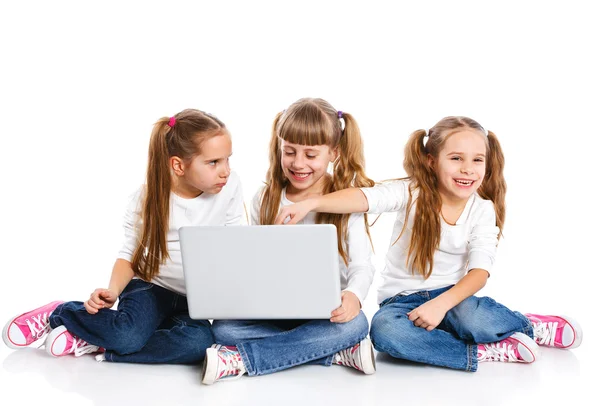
x=300 y=176
x=464 y=182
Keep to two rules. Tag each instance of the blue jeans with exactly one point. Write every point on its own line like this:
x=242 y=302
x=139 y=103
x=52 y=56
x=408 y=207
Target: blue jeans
x=453 y=343
x=268 y=346
x=151 y=325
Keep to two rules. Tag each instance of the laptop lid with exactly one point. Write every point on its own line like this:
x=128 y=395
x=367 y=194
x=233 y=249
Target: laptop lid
x=261 y=272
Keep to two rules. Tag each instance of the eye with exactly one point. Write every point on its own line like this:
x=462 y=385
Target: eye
x=311 y=156
x=213 y=163
x=455 y=158
x=478 y=159
x=288 y=153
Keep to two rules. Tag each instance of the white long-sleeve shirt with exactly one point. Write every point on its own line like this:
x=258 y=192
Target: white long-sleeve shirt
x=358 y=275
x=223 y=208
x=469 y=244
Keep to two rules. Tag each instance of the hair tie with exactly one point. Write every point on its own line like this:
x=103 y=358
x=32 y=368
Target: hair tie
x=340 y=113
x=172 y=121
x=425 y=138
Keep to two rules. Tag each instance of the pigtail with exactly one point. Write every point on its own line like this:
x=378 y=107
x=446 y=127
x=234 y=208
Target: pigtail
x=426 y=232
x=271 y=198
x=152 y=250
x=348 y=171
x=493 y=186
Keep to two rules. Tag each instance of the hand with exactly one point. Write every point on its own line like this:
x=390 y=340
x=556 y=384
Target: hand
x=295 y=212
x=100 y=299
x=429 y=315
x=348 y=310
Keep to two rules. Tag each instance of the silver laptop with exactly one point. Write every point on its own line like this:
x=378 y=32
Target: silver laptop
x=261 y=272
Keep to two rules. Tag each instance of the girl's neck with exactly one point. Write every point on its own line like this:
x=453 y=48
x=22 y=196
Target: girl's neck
x=183 y=190
x=452 y=208
x=297 y=195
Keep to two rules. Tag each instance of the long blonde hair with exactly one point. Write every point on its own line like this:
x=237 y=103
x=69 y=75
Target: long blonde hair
x=315 y=122
x=181 y=135
x=426 y=233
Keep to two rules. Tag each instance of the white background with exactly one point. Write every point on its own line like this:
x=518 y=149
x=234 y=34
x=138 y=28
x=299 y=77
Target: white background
x=82 y=83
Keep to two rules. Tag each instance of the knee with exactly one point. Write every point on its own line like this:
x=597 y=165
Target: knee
x=357 y=327
x=227 y=332
x=389 y=331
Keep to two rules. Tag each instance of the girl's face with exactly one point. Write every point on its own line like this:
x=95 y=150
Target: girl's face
x=207 y=172
x=460 y=165
x=305 y=165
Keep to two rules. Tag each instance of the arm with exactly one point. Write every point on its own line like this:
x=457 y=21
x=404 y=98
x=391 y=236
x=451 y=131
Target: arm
x=360 y=271
x=236 y=212
x=351 y=200
x=430 y=314
x=482 y=252
x=122 y=274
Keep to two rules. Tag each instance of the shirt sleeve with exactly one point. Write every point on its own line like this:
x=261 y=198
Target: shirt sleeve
x=131 y=226
x=483 y=239
x=255 y=207
x=236 y=212
x=360 y=265
x=387 y=196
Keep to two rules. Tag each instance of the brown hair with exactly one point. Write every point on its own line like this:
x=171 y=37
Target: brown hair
x=426 y=232
x=190 y=129
x=315 y=122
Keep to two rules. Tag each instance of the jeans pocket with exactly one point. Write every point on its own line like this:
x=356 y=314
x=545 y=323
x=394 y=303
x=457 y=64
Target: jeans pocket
x=134 y=286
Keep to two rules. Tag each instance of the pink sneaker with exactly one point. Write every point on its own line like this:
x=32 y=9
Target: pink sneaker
x=517 y=348
x=27 y=328
x=221 y=362
x=60 y=342
x=556 y=331
x=359 y=356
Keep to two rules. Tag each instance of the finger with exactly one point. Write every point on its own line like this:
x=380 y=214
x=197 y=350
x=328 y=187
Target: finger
x=429 y=328
x=338 y=319
x=413 y=316
x=89 y=309
x=340 y=310
x=281 y=218
x=293 y=219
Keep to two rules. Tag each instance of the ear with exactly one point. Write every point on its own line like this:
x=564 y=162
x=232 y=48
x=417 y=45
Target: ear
x=431 y=161
x=177 y=165
x=334 y=153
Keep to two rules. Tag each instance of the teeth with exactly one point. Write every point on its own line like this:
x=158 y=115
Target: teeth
x=464 y=182
x=301 y=175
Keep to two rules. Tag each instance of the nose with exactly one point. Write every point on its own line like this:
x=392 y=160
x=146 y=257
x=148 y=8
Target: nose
x=225 y=170
x=466 y=169
x=298 y=162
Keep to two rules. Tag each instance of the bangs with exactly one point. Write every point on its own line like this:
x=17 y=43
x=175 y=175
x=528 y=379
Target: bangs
x=307 y=126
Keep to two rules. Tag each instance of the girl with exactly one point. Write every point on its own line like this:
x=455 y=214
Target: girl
x=450 y=212
x=188 y=182
x=306 y=138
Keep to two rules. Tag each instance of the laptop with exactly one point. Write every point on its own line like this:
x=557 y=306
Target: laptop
x=261 y=272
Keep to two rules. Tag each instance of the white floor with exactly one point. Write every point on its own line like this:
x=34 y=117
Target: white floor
x=558 y=377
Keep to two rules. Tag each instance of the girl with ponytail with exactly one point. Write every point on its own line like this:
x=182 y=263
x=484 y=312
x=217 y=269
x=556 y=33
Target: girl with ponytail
x=307 y=137
x=451 y=209
x=188 y=182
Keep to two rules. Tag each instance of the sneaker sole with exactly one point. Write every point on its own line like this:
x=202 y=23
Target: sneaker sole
x=578 y=332
x=51 y=339
x=8 y=341
x=530 y=348
x=212 y=366
x=367 y=357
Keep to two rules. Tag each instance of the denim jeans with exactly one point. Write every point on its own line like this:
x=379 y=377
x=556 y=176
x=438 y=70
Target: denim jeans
x=151 y=325
x=268 y=346
x=453 y=343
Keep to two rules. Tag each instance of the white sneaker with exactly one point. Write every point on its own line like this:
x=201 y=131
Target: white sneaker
x=360 y=356
x=222 y=362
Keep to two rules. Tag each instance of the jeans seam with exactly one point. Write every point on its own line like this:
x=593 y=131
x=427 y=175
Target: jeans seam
x=330 y=353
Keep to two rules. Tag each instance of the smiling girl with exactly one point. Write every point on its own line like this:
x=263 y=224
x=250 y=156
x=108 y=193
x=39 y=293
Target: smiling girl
x=450 y=212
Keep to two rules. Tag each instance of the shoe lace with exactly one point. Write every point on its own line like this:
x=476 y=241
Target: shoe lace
x=39 y=325
x=545 y=332
x=81 y=347
x=346 y=357
x=233 y=366
x=501 y=351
